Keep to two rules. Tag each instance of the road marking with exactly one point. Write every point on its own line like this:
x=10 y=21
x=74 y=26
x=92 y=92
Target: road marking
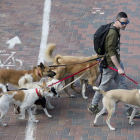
x=12 y=42
x=45 y=30
x=31 y=127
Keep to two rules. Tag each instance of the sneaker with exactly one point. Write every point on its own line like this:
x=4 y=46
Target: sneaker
x=129 y=112
x=93 y=109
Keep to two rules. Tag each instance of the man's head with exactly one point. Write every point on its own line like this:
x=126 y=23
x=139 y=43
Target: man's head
x=121 y=20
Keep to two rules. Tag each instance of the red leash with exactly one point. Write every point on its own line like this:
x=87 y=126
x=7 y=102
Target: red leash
x=73 y=74
x=124 y=75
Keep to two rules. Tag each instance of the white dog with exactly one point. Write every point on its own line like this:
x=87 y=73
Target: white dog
x=23 y=98
x=52 y=83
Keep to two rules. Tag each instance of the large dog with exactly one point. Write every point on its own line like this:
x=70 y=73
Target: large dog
x=23 y=98
x=13 y=76
x=130 y=97
x=90 y=76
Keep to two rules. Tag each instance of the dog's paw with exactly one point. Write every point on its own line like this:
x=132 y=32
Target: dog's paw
x=95 y=88
x=72 y=96
x=112 y=128
x=131 y=123
x=49 y=116
x=36 y=121
x=4 y=124
x=20 y=117
x=85 y=97
x=50 y=107
x=34 y=112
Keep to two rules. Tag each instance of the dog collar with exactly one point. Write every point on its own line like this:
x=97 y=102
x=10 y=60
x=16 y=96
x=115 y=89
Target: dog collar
x=39 y=74
x=39 y=95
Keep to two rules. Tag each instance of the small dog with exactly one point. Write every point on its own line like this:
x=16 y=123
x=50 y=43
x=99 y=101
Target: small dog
x=130 y=97
x=23 y=98
x=13 y=76
x=90 y=76
x=50 y=84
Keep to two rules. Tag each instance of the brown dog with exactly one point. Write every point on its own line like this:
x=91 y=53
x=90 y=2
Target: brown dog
x=90 y=76
x=13 y=76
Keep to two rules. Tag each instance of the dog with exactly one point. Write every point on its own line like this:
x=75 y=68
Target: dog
x=130 y=97
x=12 y=76
x=90 y=76
x=23 y=98
x=50 y=84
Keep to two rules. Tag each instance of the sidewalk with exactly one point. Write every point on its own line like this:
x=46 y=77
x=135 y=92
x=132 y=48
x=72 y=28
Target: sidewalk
x=72 y=25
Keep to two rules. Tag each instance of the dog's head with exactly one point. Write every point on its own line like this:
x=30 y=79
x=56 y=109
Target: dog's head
x=54 y=83
x=43 y=71
x=50 y=92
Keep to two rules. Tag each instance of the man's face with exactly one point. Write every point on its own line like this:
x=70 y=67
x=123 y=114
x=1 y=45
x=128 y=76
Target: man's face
x=122 y=23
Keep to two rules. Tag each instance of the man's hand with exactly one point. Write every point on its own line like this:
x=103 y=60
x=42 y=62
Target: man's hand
x=116 y=63
x=121 y=71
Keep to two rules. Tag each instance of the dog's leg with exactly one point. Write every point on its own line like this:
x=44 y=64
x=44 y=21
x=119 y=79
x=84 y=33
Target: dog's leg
x=22 y=113
x=46 y=112
x=110 y=105
x=99 y=114
x=31 y=115
x=3 y=87
x=84 y=85
x=132 y=116
x=34 y=109
x=73 y=87
x=67 y=81
x=48 y=104
x=66 y=89
x=3 y=113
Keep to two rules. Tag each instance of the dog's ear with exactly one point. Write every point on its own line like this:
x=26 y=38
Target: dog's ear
x=41 y=65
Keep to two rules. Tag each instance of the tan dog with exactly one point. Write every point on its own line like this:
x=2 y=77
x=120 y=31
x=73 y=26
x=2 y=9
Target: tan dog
x=91 y=74
x=130 y=97
x=13 y=76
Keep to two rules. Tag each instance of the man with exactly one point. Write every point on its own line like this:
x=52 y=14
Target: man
x=112 y=49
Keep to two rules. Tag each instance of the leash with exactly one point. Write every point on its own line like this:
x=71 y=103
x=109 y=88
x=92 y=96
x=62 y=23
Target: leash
x=73 y=74
x=77 y=63
x=73 y=81
x=124 y=75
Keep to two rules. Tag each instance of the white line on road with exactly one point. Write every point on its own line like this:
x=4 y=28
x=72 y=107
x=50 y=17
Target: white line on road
x=45 y=30
x=31 y=127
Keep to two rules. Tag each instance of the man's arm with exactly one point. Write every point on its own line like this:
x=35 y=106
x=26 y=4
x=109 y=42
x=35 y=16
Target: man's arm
x=116 y=63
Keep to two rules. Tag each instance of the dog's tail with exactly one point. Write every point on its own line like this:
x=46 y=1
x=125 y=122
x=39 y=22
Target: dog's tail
x=48 y=52
x=27 y=78
x=99 y=90
x=3 y=88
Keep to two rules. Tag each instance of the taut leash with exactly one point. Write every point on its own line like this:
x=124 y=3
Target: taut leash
x=72 y=81
x=124 y=75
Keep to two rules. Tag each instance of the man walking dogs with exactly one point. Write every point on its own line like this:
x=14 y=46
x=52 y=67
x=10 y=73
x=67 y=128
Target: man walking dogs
x=112 y=51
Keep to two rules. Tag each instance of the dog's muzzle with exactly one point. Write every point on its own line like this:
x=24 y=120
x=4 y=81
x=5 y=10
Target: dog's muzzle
x=54 y=92
x=52 y=74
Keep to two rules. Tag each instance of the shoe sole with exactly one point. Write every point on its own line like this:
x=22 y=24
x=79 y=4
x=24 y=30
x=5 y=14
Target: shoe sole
x=92 y=112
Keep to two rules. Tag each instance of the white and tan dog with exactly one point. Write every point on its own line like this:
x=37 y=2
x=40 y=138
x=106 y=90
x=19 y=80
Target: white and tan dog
x=58 y=86
x=90 y=76
x=12 y=76
x=130 y=97
x=23 y=98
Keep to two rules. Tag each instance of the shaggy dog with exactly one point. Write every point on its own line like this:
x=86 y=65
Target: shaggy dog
x=90 y=76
